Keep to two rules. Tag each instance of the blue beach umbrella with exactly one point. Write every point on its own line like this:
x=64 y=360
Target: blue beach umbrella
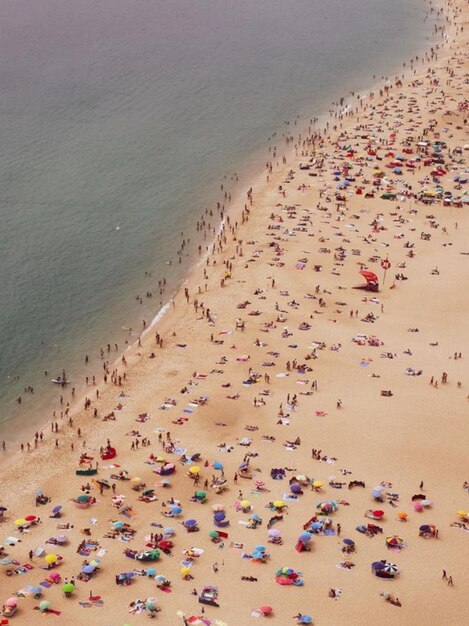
x=217 y=465
x=88 y=569
x=176 y=510
x=304 y=537
x=151 y=571
x=190 y=522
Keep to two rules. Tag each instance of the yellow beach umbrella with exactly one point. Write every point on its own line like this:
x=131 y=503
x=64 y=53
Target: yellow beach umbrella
x=194 y=470
x=20 y=522
x=462 y=513
x=185 y=571
x=245 y=504
x=278 y=504
x=317 y=484
x=50 y=558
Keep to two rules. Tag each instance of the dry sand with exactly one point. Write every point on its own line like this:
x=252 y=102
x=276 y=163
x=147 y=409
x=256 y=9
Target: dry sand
x=419 y=433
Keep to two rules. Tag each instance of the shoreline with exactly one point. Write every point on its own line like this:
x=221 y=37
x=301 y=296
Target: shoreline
x=320 y=124
x=392 y=439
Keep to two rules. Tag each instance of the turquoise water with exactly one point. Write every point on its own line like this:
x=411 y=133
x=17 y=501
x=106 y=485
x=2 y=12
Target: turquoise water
x=130 y=114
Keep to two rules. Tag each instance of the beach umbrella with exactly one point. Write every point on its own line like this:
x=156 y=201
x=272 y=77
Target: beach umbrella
x=255 y=517
x=266 y=610
x=153 y=555
x=219 y=516
x=168 y=531
x=185 y=571
x=54 y=576
x=305 y=619
x=295 y=488
x=57 y=509
x=61 y=539
x=462 y=513
x=176 y=510
x=278 y=504
x=273 y=532
x=301 y=477
x=377 y=493
x=425 y=528
x=378 y=513
x=304 y=537
x=200 y=495
x=194 y=470
x=95 y=563
x=218 y=507
x=190 y=522
x=418 y=507
x=44 y=605
x=68 y=587
x=349 y=542
x=217 y=465
x=30 y=518
x=214 y=534
x=390 y=568
x=327 y=507
x=20 y=522
x=117 y=524
x=316 y=525
x=88 y=569
x=11 y=602
x=395 y=541
x=402 y=515
x=35 y=590
x=50 y=558
x=317 y=484
x=260 y=548
x=245 y=504
x=83 y=498
x=151 y=571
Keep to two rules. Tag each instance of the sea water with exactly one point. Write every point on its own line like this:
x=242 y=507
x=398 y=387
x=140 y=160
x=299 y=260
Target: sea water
x=119 y=120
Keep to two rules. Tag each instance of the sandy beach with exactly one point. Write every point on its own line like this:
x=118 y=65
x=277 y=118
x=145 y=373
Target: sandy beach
x=278 y=396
